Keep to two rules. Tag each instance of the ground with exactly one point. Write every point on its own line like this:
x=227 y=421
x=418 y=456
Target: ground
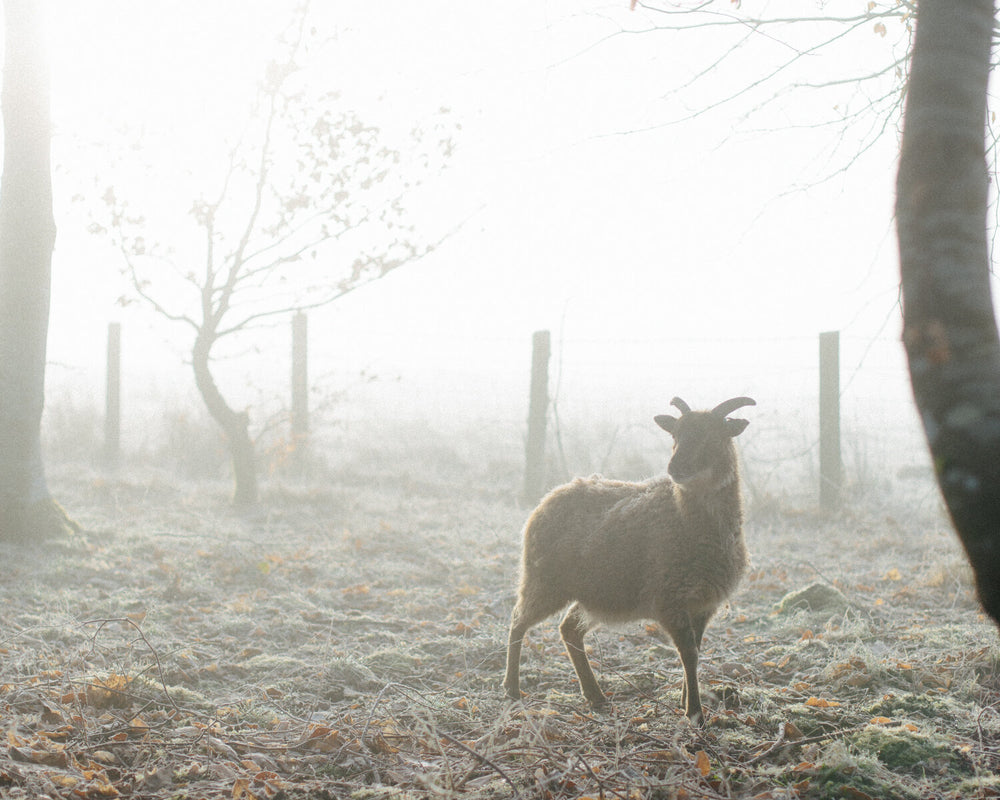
x=346 y=638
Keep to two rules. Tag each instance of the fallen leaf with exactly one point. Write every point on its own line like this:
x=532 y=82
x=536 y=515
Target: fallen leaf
x=110 y=691
x=31 y=755
x=241 y=788
x=702 y=763
x=819 y=702
x=51 y=715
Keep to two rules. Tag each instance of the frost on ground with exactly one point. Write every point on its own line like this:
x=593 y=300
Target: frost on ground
x=347 y=640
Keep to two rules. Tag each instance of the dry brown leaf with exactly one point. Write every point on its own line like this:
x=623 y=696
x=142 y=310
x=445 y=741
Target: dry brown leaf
x=138 y=725
x=108 y=692
x=33 y=755
x=792 y=732
x=241 y=789
x=52 y=715
x=326 y=742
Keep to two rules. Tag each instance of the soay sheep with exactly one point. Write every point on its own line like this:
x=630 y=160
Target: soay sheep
x=669 y=549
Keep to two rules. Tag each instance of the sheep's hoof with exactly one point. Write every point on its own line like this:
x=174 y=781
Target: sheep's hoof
x=512 y=693
x=696 y=717
x=597 y=702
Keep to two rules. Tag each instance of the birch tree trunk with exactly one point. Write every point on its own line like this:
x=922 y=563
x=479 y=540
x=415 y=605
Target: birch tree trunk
x=949 y=327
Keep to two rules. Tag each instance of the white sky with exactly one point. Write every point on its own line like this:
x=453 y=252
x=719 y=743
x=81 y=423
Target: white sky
x=664 y=238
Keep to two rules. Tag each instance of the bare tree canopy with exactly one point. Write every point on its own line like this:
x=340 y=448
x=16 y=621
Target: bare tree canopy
x=309 y=208
x=836 y=68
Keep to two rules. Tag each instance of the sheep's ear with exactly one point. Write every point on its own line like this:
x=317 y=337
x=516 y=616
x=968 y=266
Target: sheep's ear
x=736 y=426
x=665 y=421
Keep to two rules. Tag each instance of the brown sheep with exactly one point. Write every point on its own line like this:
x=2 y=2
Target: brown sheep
x=669 y=549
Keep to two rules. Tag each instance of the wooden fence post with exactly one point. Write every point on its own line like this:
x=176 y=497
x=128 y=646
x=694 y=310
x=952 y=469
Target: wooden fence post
x=534 y=469
x=830 y=465
x=300 y=387
x=112 y=397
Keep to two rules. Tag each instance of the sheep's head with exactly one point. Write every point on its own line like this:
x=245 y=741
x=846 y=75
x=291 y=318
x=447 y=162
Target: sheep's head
x=703 y=450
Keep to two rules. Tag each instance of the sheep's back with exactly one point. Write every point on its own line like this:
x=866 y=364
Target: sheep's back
x=595 y=540
x=625 y=550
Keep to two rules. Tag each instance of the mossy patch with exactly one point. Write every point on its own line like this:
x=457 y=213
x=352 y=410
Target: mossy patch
x=901 y=748
x=393 y=663
x=815 y=597
x=909 y=705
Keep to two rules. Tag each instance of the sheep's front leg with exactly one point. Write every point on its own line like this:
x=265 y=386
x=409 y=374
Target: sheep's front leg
x=686 y=637
x=572 y=629
x=698 y=625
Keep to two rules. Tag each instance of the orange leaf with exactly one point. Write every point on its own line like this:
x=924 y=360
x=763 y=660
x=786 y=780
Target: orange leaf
x=702 y=763
x=241 y=788
x=879 y=721
x=818 y=702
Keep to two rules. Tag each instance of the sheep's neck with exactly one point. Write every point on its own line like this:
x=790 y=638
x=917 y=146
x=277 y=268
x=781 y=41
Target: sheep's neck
x=721 y=506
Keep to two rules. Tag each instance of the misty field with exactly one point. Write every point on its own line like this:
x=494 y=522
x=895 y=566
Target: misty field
x=346 y=638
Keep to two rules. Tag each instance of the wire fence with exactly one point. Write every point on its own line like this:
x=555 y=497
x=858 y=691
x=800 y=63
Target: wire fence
x=473 y=393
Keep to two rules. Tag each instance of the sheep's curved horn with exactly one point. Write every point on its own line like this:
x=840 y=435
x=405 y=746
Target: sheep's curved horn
x=727 y=407
x=681 y=406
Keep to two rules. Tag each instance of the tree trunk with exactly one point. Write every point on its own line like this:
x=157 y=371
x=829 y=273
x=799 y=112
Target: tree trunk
x=27 y=236
x=235 y=424
x=949 y=328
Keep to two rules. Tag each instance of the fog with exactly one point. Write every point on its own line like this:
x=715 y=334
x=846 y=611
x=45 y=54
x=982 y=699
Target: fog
x=599 y=188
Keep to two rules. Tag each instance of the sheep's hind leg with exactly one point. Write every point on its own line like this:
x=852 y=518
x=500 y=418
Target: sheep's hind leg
x=523 y=618
x=512 y=678
x=572 y=629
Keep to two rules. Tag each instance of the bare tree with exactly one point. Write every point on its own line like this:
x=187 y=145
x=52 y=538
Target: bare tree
x=310 y=208
x=751 y=61
x=949 y=328
x=27 y=236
